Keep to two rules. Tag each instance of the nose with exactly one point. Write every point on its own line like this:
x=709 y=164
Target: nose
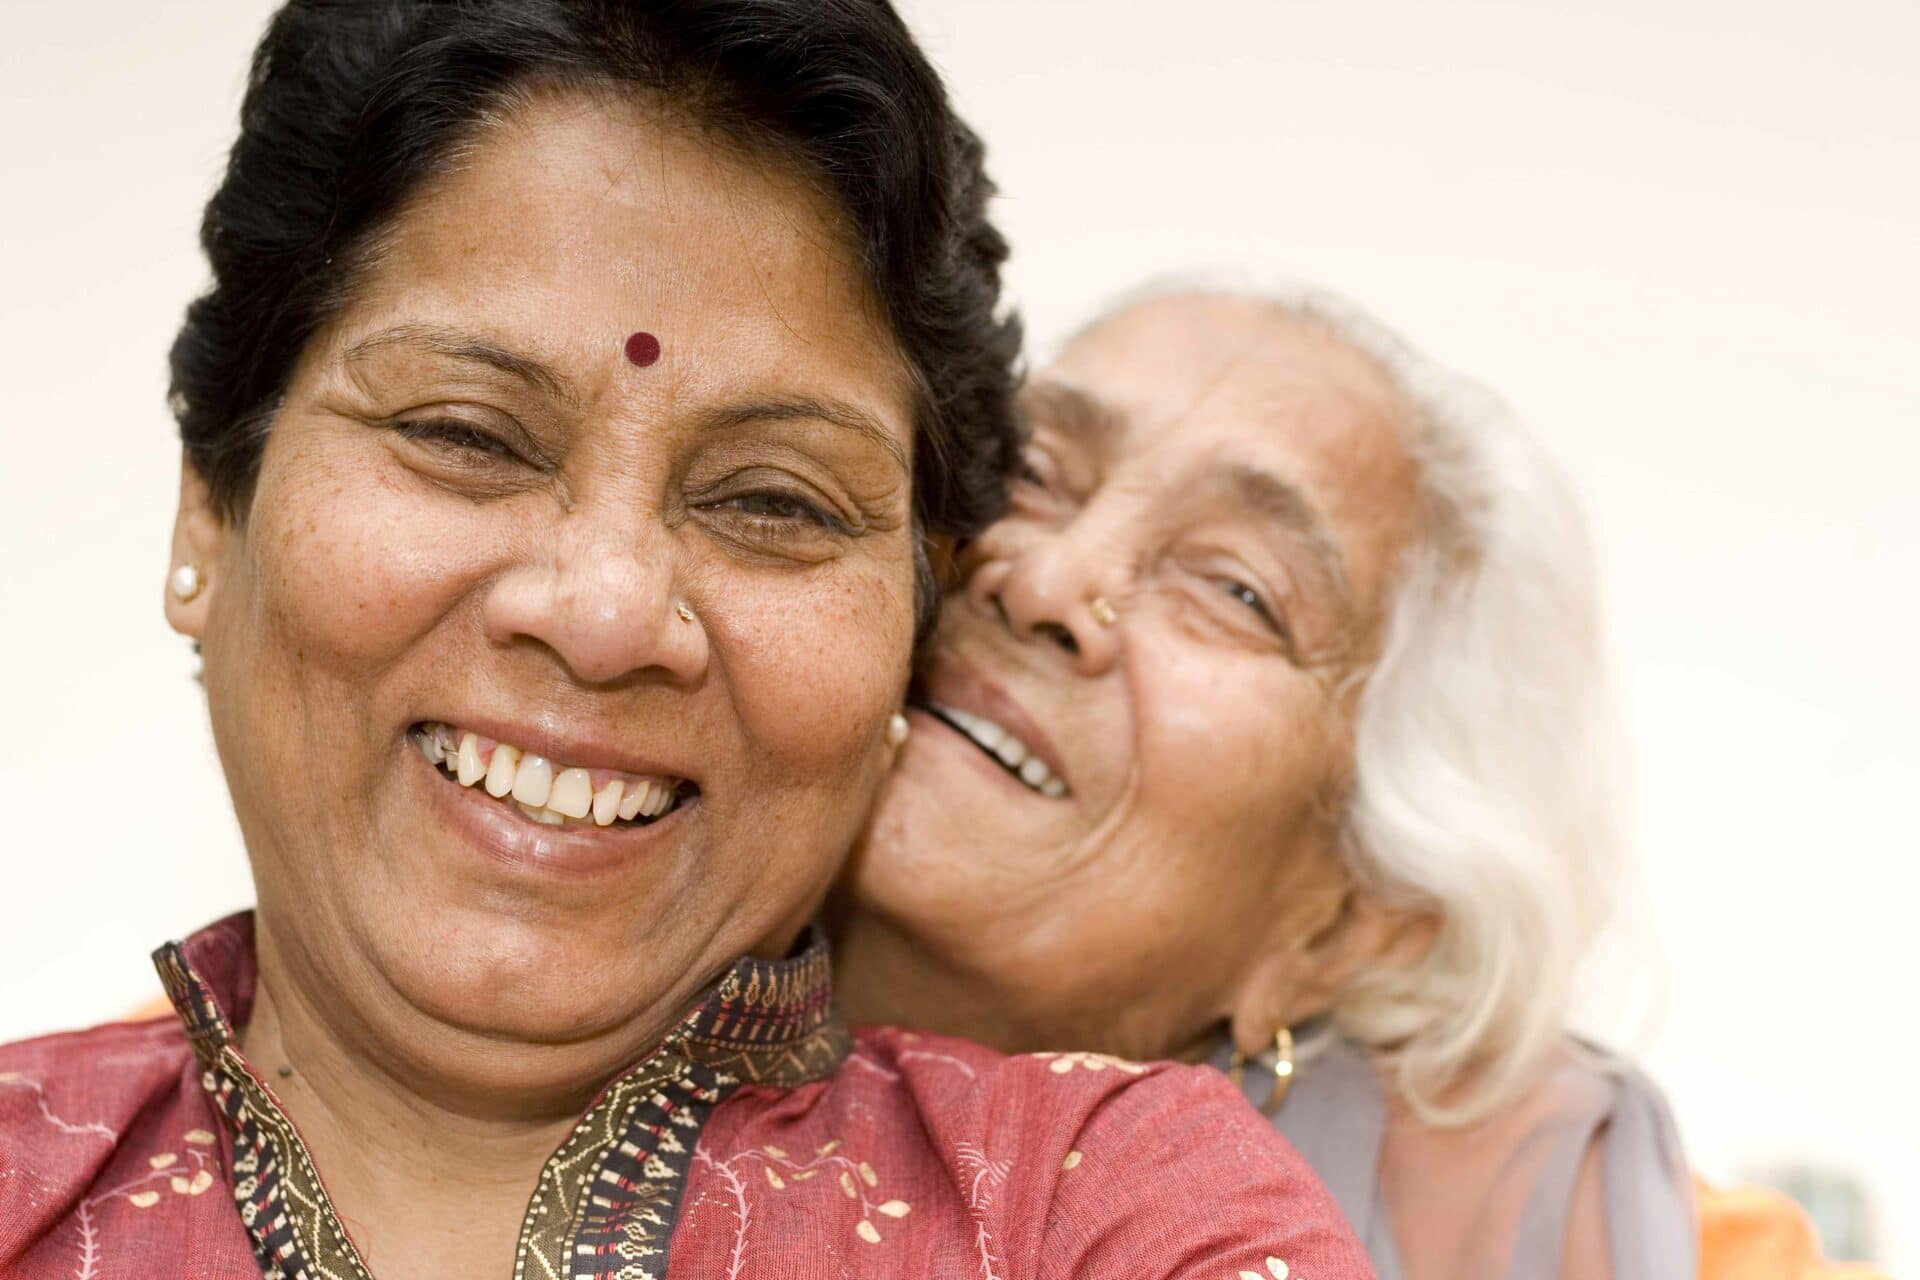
x=1044 y=589
x=602 y=602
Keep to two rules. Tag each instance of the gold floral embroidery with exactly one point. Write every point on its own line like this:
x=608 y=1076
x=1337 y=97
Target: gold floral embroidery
x=194 y=1186
x=1061 y=1063
x=137 y=1191
x=853 y=1177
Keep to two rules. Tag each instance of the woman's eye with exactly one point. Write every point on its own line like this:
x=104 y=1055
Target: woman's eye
x=1037 y=468
x=1041 y=486
x=447 y=434
x=1252 y=599
x=782 y=508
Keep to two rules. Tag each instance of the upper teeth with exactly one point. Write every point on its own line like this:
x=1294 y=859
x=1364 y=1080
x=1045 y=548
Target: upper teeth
x=1013 y=753
x=544 y=791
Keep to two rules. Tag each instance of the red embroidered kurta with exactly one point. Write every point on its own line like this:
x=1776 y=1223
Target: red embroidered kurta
x=760 y=1140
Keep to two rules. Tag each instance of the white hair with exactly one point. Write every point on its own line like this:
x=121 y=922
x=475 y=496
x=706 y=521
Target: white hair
x=1486 y=768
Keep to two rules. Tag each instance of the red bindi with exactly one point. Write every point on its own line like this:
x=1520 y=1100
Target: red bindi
x=643 y=348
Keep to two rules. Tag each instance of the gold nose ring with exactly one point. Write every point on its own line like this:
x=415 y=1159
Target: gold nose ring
x=1102 y=611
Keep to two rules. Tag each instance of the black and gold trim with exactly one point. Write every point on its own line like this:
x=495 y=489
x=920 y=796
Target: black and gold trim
x=608 y=1199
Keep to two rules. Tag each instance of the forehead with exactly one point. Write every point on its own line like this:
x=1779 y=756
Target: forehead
x=580 y=218
x=1204 y=380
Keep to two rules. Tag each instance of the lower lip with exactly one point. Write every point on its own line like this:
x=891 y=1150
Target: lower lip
x=507 y=836
x=933 y=726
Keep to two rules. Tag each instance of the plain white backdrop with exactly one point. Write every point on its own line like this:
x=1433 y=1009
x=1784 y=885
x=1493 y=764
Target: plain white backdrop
x=1683 y=236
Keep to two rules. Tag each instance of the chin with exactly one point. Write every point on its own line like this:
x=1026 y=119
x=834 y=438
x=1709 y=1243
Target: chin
x=534 y=977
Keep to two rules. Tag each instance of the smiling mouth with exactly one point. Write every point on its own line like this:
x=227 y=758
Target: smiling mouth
x=545 y=790
x=1003 y=748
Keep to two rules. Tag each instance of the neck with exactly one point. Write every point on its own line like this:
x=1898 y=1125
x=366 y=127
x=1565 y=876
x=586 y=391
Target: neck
x=881 y=977
x=886 y=976
x=396 y=1158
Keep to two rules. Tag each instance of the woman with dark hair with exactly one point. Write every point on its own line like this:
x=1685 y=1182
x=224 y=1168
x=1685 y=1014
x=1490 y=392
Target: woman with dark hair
x=578 y=390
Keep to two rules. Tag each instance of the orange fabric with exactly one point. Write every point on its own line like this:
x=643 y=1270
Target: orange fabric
x=158 y=1007
x=1753 y=1233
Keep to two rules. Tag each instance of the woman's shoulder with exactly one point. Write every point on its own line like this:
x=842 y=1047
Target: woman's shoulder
x=1051 y=1100
x=1607 y=1108
x=1580 y=1174
x=1576 y=1090
x=101 y=1130
x=108 y=1072
x=1085 y=1164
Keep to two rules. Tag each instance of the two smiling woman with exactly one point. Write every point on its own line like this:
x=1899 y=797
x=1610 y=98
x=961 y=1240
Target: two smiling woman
x=583 y=389
x=437 y=496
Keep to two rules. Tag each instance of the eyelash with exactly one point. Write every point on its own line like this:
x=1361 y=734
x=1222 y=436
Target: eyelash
x=1037 y=479
x=798 y=511
x=457 y=435
x=1253 y=601
x=778 y=513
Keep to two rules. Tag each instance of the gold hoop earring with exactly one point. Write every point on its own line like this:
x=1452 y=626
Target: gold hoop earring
x=1103 y=611
x=1282 y=1070
x=186 y=582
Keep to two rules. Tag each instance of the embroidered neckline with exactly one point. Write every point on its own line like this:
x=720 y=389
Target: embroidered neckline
x=607 y=1199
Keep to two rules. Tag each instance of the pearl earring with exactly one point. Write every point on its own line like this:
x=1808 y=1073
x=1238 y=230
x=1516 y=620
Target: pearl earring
x=186 y=582
x=897 y=730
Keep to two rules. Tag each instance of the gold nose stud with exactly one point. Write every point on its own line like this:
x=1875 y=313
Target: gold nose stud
x=685 y=612
x=1102 y=611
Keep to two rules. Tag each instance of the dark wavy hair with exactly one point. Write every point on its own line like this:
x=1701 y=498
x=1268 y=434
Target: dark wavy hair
x=353 y=104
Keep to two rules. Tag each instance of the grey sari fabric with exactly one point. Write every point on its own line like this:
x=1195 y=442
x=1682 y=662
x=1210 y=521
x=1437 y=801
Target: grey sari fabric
x=1337 y=1115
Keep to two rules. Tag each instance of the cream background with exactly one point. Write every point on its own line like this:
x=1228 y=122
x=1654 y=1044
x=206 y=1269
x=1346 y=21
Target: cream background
x=1683 y=236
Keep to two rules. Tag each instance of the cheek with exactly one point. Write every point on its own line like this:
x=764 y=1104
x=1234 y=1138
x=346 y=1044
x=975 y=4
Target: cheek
x=815 y=670
x=1232 y=752
x=348 y=566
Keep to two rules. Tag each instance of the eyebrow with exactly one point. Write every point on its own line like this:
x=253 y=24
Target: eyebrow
x=1285 y=503
x=1073 y=409
x=836 y=413
x=455 y=345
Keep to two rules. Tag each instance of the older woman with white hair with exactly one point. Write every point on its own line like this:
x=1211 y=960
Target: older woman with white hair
x=1270 y=728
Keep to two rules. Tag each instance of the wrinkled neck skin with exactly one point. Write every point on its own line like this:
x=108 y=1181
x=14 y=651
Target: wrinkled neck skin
x=429 y=1180
x=883 y=976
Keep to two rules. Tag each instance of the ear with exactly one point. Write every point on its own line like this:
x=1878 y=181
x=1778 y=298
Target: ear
x=199 y=539
x=1370 y=937
x=1302 y=977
